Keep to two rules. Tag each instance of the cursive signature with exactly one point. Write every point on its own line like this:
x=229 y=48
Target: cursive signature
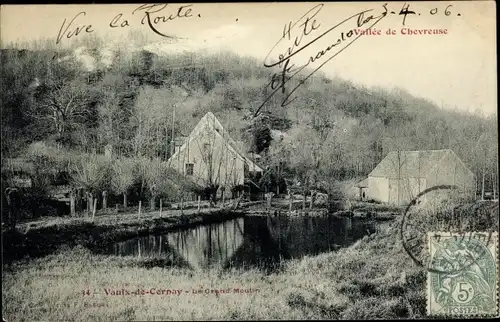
x=294 y=38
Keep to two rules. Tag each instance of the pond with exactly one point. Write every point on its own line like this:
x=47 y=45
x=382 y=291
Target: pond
x=248 y=242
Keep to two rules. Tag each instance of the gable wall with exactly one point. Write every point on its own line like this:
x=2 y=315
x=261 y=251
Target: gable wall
x=225 y=168
x=451 y=171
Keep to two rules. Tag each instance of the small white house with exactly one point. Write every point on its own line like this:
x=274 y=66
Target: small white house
x=401 y=175
x=209 y=156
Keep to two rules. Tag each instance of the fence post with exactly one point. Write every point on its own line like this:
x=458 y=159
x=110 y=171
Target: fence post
x=72 y=203
x=94 y=209
x=104 y=199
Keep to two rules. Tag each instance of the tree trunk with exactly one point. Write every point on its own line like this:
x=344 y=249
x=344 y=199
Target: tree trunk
x=161 y=205
x=497 y=179
x=124 y=200
x=304 y=193
x=399 y=173
x=482 y=185
x=290 y=203
x=139 y=212
x=238 y=203
x=152 y=203
x=214 y=195
x=494 y=185
x=312 y=200
x=199 y=200
x=90 y=199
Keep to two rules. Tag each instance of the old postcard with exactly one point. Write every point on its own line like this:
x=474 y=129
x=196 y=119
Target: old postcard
x=249 y=161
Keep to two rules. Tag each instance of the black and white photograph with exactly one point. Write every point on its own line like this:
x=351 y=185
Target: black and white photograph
x=249 y=161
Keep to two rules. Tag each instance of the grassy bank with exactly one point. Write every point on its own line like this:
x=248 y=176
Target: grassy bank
x=45 y=236
x=373 y=278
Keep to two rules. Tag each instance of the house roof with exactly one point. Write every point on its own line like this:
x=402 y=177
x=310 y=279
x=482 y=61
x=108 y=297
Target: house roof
x=413 y=163
x=362 y=184
x=213 y=124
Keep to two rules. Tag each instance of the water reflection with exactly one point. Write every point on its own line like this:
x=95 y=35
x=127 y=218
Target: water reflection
x=211 y=245
x=255 y=241
x=200 y=247
x=269 y=240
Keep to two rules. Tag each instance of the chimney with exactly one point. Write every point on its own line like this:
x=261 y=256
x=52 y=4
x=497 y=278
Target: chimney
x=178 y=142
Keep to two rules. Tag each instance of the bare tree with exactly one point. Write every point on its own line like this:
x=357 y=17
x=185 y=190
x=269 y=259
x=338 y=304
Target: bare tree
x=211 y=154
x=88 y=173
x=108 y=114
x=122 y=178
x=305 y=159
x=65 y=107
x=154 y=175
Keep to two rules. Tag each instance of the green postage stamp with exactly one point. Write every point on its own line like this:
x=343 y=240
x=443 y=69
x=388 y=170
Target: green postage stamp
x=462 y=278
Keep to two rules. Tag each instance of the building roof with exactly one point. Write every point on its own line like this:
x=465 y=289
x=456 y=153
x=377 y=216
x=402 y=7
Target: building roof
x=413 y=163
x=362 y=184
x=213 y=124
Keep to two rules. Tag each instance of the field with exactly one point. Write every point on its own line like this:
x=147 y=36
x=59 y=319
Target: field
x=372 y=279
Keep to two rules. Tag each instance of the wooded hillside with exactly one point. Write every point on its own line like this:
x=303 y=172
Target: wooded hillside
x=126 y=99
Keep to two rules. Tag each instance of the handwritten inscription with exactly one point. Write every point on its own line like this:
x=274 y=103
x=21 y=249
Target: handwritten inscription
x=299 y=35
x=294 y=37
x=71 y=29
x=152 y=15
x=405 y=11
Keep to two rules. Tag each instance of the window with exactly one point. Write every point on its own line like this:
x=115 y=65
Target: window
x=189 y=169
x=207 y=153
x=246 y=170
x=206 y=148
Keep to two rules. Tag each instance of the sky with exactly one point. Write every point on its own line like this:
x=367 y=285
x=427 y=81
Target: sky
x=455 y=70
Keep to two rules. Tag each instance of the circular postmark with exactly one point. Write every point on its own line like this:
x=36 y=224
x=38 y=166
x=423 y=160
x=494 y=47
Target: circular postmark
x=415 y=227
